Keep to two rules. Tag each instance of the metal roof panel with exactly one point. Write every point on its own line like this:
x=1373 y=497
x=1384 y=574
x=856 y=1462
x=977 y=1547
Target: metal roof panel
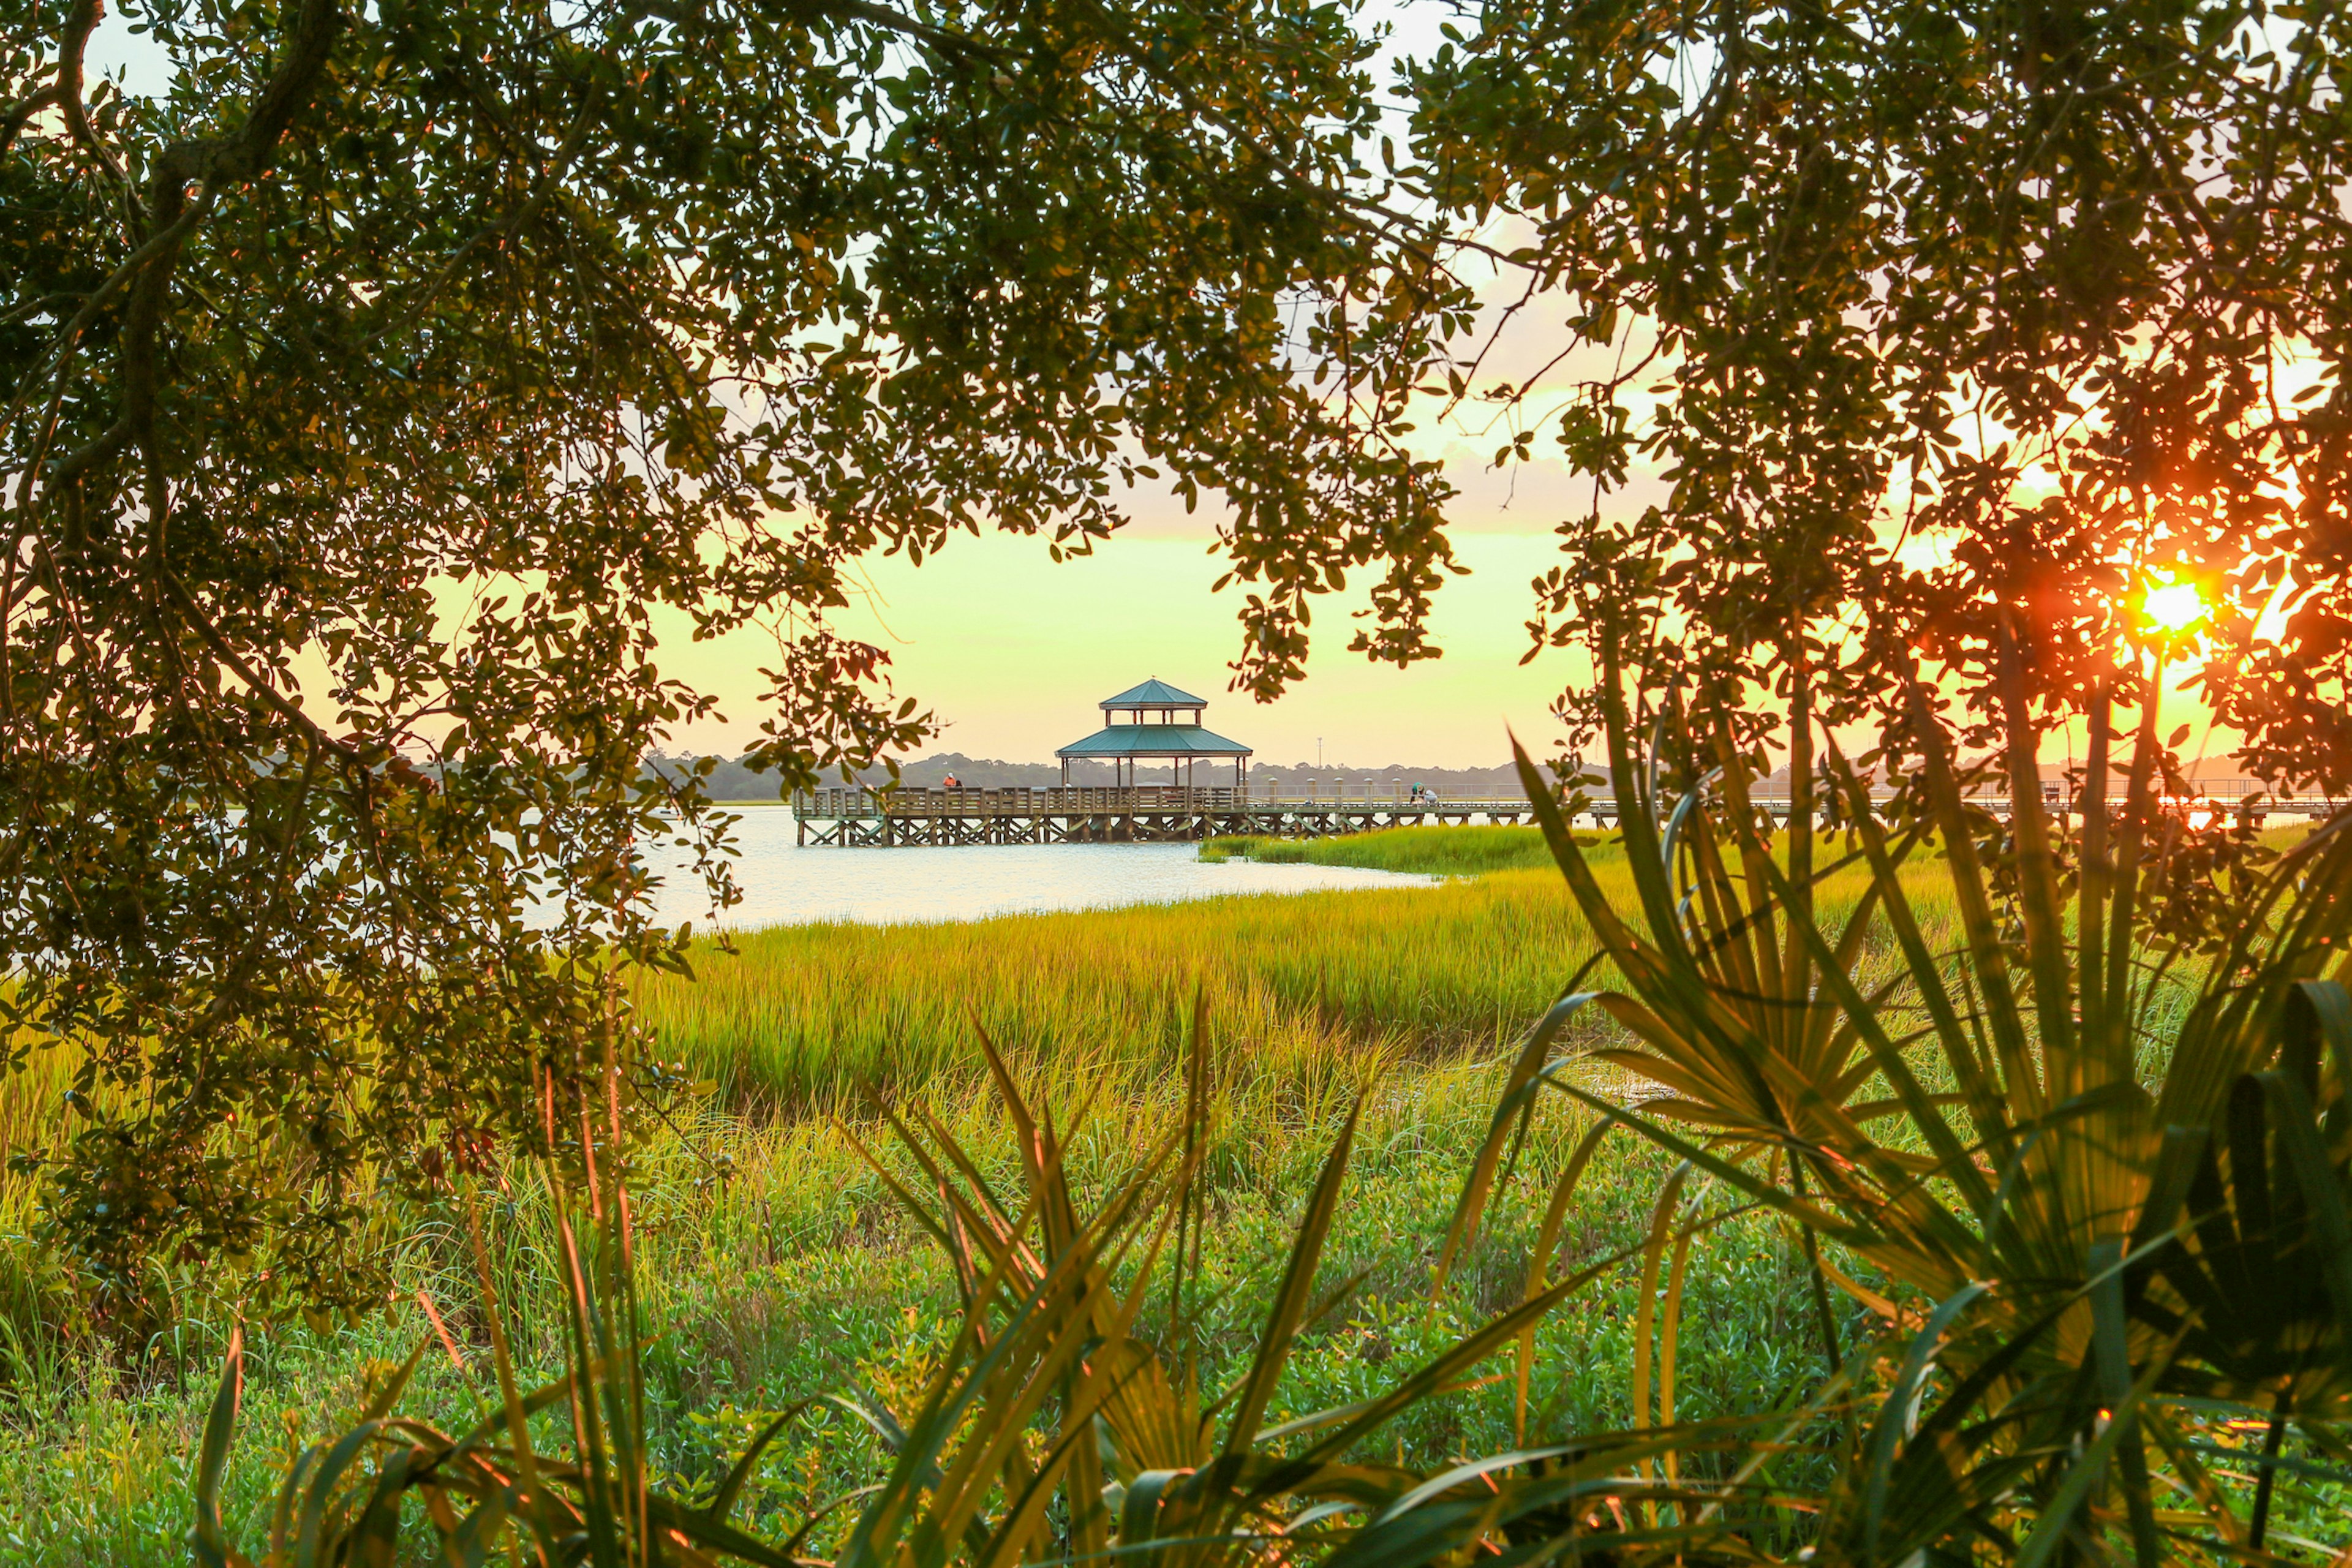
x=1154 y=694
x=1153 y=740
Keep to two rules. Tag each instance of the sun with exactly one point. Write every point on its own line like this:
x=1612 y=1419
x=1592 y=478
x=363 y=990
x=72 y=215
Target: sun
x=2172 y=606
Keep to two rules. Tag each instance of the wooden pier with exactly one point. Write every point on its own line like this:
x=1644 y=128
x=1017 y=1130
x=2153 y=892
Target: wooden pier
x=1149 y=814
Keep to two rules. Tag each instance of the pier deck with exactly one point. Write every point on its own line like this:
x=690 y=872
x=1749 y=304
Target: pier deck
x=1149 y=814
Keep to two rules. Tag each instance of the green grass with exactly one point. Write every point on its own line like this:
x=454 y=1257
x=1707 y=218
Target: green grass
x=1435 y=851
x=799 y=1279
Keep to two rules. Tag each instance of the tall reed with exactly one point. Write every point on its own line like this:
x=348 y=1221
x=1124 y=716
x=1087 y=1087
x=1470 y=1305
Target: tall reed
x=803 y=1018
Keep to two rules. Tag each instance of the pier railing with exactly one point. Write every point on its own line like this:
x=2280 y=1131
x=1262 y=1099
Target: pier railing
x=841 y=802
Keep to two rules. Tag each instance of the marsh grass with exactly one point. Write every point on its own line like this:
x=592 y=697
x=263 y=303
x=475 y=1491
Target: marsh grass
x=1432 y=851
x=1309 y=987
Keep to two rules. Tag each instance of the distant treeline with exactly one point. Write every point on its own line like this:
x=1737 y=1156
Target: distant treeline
x=730 y=780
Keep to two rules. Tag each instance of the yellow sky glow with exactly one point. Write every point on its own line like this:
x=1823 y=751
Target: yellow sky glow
x=1013 y=652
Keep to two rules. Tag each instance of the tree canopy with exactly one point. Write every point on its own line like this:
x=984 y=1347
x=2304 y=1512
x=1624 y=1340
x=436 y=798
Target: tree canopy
x=372 y=386
x=1945 y=333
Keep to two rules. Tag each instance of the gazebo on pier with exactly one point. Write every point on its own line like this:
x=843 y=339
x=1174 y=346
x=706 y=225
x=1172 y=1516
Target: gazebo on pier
x=1161 y=723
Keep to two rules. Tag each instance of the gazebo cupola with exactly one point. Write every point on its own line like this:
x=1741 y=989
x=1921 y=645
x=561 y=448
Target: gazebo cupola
x=1159 y=722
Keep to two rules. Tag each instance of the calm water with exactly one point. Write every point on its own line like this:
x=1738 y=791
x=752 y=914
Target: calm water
x=785 y=885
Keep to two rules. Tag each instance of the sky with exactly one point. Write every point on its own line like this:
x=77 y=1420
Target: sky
x=1013 y=651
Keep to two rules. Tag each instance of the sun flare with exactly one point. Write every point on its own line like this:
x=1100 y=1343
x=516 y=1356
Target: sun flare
x=2172 y=606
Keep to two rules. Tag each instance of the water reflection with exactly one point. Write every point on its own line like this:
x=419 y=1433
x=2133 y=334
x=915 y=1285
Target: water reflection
x=786 y=885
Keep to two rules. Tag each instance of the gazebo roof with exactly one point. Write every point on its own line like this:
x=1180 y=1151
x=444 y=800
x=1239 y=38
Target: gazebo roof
x=1154 y=741
x=1153 y=694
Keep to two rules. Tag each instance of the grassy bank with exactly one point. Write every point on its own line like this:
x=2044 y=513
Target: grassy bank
x=1435 y=851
